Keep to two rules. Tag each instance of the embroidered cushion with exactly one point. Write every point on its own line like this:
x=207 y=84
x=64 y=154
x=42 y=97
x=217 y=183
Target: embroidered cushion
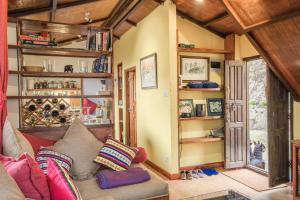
x=115 y=155
x=60 y=184
x=82 y=146
x=28 y=176
x=44 y=154
x=14 y=143
x=9 y=189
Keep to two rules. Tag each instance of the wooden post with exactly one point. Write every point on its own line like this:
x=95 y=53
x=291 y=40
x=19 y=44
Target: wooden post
x=229 y=45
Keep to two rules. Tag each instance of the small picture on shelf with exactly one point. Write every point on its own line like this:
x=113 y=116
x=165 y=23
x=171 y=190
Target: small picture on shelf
x=215 y=107
x=186 y=108
x=216 y=65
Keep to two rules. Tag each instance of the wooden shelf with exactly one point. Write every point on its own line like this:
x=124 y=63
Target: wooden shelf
x=202 y=89
x=55 y=89
x=62 y=74
x=200 y=140
x=201 y=118
x=64 y=97
x=202 y=50
x=54 y=51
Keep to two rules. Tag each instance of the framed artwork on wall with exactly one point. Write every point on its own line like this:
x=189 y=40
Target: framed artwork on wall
x=186 y=108
x=215 y=107
x=194 y=68
x=149 y=71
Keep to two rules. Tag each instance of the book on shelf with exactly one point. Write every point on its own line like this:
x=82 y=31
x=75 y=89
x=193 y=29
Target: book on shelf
x=102 y=64
x=39 y=43
x=98 y=41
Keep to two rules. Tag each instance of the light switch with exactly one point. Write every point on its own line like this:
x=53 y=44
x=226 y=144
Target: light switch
x=166 y=93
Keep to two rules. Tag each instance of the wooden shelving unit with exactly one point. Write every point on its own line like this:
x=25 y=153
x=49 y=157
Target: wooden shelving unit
x=201 y=118
x=199 y=140
x=201 y=89
x=22 y=26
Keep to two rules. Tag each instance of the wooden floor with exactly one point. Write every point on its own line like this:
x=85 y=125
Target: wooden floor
x=189 y=188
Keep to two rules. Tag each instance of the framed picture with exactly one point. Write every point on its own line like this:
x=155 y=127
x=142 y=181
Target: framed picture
x=215 y=107
x=186 y=108
x=149 y=72
x=194 y=68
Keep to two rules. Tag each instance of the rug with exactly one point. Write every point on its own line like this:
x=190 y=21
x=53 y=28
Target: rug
x=251 y=179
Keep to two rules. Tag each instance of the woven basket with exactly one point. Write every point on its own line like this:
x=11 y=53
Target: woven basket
x=33 y=68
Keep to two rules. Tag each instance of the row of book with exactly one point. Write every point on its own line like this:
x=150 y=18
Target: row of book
x=39 y=39
x=102 y=64
x=99 y=41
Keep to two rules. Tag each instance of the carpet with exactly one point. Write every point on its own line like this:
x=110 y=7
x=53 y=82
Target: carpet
x=251 y=179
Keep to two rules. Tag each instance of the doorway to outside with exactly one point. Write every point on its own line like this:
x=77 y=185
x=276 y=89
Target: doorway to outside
x=130 y=91
x=257 y=111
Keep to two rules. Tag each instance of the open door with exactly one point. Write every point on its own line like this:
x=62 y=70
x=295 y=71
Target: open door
x=278 y=128
x=235 y=115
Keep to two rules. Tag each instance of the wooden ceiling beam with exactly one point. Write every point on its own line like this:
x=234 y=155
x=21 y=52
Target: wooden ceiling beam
x=215 y=19
x=131 y=22
x=24 y=12
x=179 y=13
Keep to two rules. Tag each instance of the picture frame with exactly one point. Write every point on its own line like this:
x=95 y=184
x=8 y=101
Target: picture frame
x=148 y=67
x=186 y=108
x=194 y=68
x=215 y=107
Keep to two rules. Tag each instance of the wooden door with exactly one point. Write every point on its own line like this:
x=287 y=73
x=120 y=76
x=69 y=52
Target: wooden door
x=131 y=139
x=278 y=128
x=235 y=115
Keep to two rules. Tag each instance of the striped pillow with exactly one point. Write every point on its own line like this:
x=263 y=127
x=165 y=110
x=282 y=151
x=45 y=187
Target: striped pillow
x=60 y=184
x=115 y=155
x=44 y=154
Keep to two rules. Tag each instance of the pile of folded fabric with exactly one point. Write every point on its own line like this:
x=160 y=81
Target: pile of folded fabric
x=208 y=84
x=198 y=173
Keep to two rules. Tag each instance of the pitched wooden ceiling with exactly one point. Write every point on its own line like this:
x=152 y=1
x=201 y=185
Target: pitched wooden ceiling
x=119 y=14
x=273 y=27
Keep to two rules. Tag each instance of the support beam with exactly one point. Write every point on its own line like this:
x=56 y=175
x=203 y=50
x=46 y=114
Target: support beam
x=53 y=11
x=131 y=22
x=179 y=13
x=23 y=12
x=229 y=45
x=95 y=21
x=215 y=19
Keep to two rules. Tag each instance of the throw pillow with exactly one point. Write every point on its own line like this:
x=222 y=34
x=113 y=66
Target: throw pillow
x=37 y=142
x=14 y=143
x=9 y=189
x=44 y=154
x=115 y=155
x=60 y=184
x=82 y=146
x=141 y=155
x=28 y=176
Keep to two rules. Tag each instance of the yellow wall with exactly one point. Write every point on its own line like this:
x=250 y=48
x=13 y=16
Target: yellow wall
x=152 y=35
x=296 y=120
x=244 y=48
x=200 y=153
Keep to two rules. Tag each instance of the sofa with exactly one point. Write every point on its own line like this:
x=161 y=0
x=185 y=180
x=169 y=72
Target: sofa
x=155 y=188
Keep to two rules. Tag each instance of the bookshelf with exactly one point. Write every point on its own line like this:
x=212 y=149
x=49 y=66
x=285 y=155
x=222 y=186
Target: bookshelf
x=70 y=96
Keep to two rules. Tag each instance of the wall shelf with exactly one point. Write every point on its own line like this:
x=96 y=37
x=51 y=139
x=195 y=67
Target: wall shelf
x=54 y=51
x=203 y=50
x=201 y=89
x=201 y=118
x=62 y=74
x=55 y=89
x=64 y=97
x=200 y=140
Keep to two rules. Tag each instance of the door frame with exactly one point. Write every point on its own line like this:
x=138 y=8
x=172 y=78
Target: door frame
x=248 y=166
x=127 y=121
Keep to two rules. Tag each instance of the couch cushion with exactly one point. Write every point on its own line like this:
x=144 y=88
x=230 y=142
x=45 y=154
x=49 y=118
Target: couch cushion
x=14 y=143
x=9 y=189
x=38 y=142
x=89 y=190
x=115 y=155
x=28 y=176
x=60 y=184
x=82 y=146
x=44 y=154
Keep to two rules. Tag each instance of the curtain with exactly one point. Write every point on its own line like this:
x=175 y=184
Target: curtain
x=3 y=66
